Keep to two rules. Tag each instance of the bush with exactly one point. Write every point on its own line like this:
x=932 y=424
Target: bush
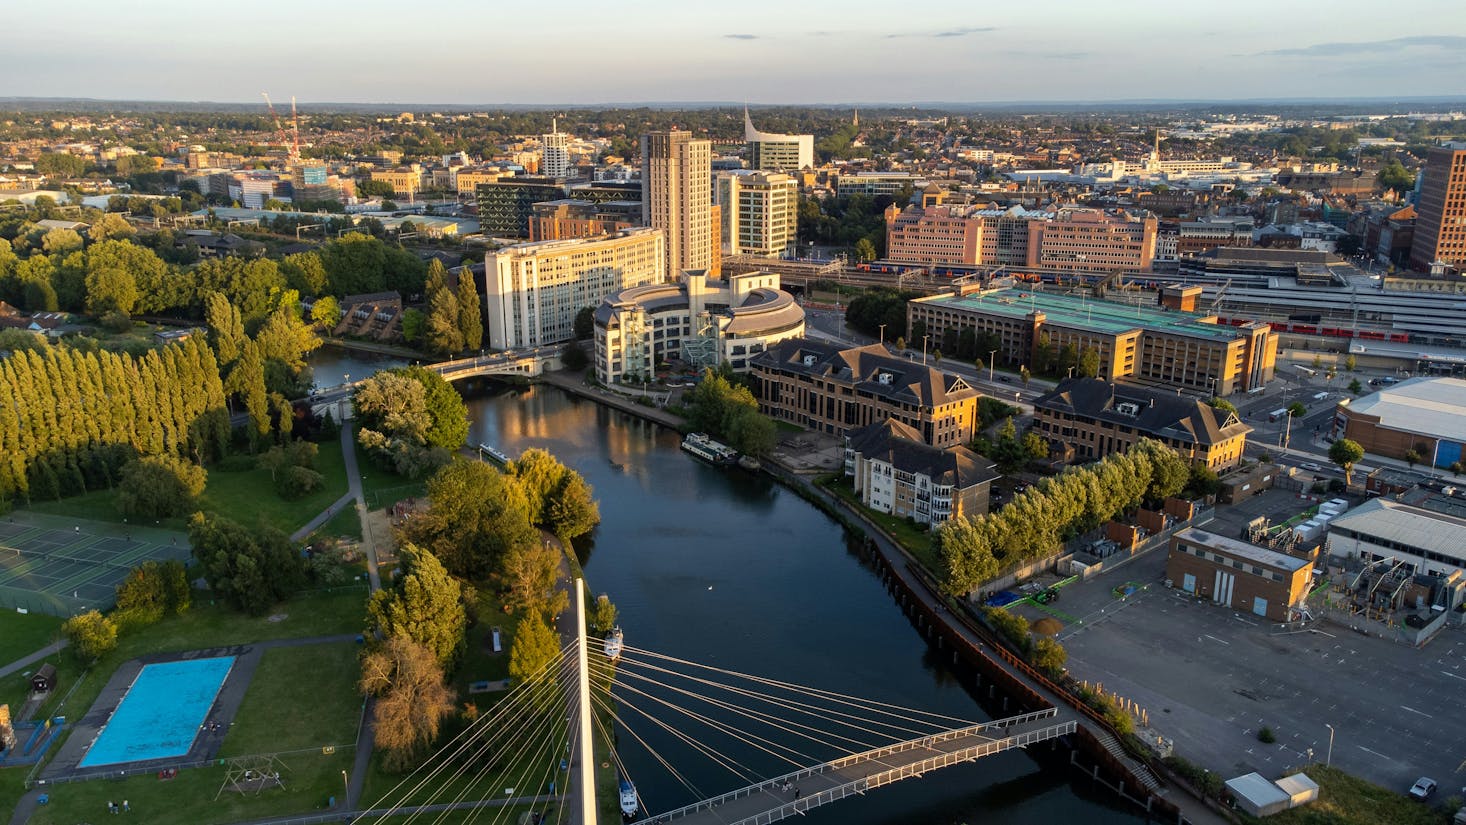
x=297 y=482
x=160 y=486
x=92 y=635
x=1013 y=627
x=1266 y=735
x=1049 y=656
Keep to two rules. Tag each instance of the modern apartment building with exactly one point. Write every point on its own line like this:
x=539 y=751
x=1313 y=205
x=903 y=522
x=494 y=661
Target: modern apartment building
x=821 y=386
x=1146 y=344
x=506 y=205
x=1097 y=418
x=758 y=211
x=534 y=290
x=1440 y=224
x=699 y=320
x=895 y=472
x=555 y=155
x=677 y=177
x=769 y=152
x=873 y=183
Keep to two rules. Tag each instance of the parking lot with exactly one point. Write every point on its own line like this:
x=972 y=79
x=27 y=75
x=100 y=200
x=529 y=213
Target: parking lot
x=1212 y=677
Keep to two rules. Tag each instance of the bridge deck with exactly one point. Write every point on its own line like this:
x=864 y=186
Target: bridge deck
x=768 y=802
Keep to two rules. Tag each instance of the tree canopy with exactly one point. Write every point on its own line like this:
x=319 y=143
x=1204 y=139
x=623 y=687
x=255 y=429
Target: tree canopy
x=251 y=569
x=424 y=604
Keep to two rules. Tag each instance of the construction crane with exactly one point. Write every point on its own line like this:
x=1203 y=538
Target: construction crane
x=292 y=149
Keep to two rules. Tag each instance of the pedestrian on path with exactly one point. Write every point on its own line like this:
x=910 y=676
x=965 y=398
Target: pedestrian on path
x=126 y=807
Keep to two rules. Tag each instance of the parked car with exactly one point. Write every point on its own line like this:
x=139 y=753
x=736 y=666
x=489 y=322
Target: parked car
x=1309 y=465
x=1423 y=788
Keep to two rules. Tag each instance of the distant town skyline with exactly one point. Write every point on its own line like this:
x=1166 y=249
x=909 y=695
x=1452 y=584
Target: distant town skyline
x=813 y=52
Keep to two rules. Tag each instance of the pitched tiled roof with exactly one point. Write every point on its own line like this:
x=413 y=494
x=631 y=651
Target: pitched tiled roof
x=901 y=446
x=870 y=369
x=1155 y=412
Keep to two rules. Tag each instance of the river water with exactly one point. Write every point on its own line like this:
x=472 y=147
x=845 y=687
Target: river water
x=732 y=570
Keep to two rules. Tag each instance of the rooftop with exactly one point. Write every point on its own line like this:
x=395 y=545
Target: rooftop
x=1083 y=313
x=869 y=369
x=1428 y=406
x=1381 y=518
x=1243 y=550
x=901 y=446
x=1156 y=412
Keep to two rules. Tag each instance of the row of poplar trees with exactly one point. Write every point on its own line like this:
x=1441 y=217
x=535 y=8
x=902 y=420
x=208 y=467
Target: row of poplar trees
x=69 y=420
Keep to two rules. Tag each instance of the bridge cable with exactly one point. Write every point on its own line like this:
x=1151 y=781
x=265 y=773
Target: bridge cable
x=728 y=729
x=825 y=714
x=465 y=739
x=839 y=698
x=463 y=764
x=737 y=769
x=610 y=711
x=541 y=732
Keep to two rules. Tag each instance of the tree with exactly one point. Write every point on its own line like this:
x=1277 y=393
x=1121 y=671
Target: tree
x=865 y=251
x=1317 y=362
x=412 y=699
x=111 y=226
x=60 y=241
x=534 y=647
x=1049 y=656
x=1355 y=387
x=470 y=315
x=1088 y=364
x=160 y=486
x=1350 y=362
x=441 y=333
x=573 y=357
x=412 y=324
x=477 y=516
x=251 y=569
x=1224 y=405
x=602 y=616
x=247 y=380
x=571 y=511
x=1035 y=447
x=1346 y=453
x=585 y=323
x=111 y=290
x=226 y=328
x=92 y=635
x=424 y=604
x=326 y=312
x=1395 y=178
x=1297 y=410
x=1412 y=457
x=527 y=574
x=1024 y=375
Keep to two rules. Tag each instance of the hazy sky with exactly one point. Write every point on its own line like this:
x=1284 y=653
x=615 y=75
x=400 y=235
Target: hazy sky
x=762 y=51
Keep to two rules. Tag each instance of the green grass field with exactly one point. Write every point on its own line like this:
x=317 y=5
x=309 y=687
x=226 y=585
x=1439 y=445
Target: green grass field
x=917 y=541
x=247 y=497
x=1349 y=800
x=344 y=524
x=188 y=799
x=284 y=712
x=22 y=634
x=12 y=785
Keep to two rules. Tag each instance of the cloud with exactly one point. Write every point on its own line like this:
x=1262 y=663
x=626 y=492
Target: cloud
x=1371 y=46
x=1042 y=55
x=740 y=37
x=957 y=32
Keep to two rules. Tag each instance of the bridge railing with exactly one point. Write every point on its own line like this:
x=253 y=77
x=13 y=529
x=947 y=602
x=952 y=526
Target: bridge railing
x=863 y=784
x=876 y=753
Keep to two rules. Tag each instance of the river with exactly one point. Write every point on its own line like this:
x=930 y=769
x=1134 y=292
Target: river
x=729 y=569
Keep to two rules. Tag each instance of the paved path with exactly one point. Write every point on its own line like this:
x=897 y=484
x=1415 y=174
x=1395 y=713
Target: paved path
x=573 y=383
x=353 y=481
x=25 y=661
x=352 y=815
x=322 y=517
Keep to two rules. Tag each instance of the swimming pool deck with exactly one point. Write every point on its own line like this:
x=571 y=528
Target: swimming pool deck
x=66 y=766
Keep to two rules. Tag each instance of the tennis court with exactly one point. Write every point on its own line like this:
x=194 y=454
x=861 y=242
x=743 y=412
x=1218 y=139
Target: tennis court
x=63 y=566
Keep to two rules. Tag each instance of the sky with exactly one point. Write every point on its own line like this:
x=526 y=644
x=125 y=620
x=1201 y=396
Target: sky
x=760 y=51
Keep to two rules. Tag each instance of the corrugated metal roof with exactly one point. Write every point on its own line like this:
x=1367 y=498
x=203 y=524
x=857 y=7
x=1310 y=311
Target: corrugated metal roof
x=1429 y=406
x=1392 y=521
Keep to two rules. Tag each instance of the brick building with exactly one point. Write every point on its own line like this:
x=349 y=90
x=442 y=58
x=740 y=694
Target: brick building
x=1156 y=346
x=1427 y=415
x=1238 y=575
x=836 y=390
x=1097 y=418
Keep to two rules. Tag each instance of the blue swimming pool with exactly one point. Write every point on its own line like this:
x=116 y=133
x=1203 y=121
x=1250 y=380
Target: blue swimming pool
x=161 y=714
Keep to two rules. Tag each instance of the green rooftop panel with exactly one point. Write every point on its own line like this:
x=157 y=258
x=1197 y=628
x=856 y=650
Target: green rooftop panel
x=1084 y=313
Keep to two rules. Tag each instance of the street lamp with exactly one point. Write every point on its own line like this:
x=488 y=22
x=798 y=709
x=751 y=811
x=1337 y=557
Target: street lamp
x=345 y=784
x=923 y=349
x=883 y=334
x=992 y=354
x=1330 y=759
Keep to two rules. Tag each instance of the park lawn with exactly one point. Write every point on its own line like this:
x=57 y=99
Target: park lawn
x=916 y=541
x=1349 y=800
x=299 y=698
x=345 y=524
x=249 y=497
x=22 y=634
x=188 y=799
x=479 y=661
x=12 y=787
